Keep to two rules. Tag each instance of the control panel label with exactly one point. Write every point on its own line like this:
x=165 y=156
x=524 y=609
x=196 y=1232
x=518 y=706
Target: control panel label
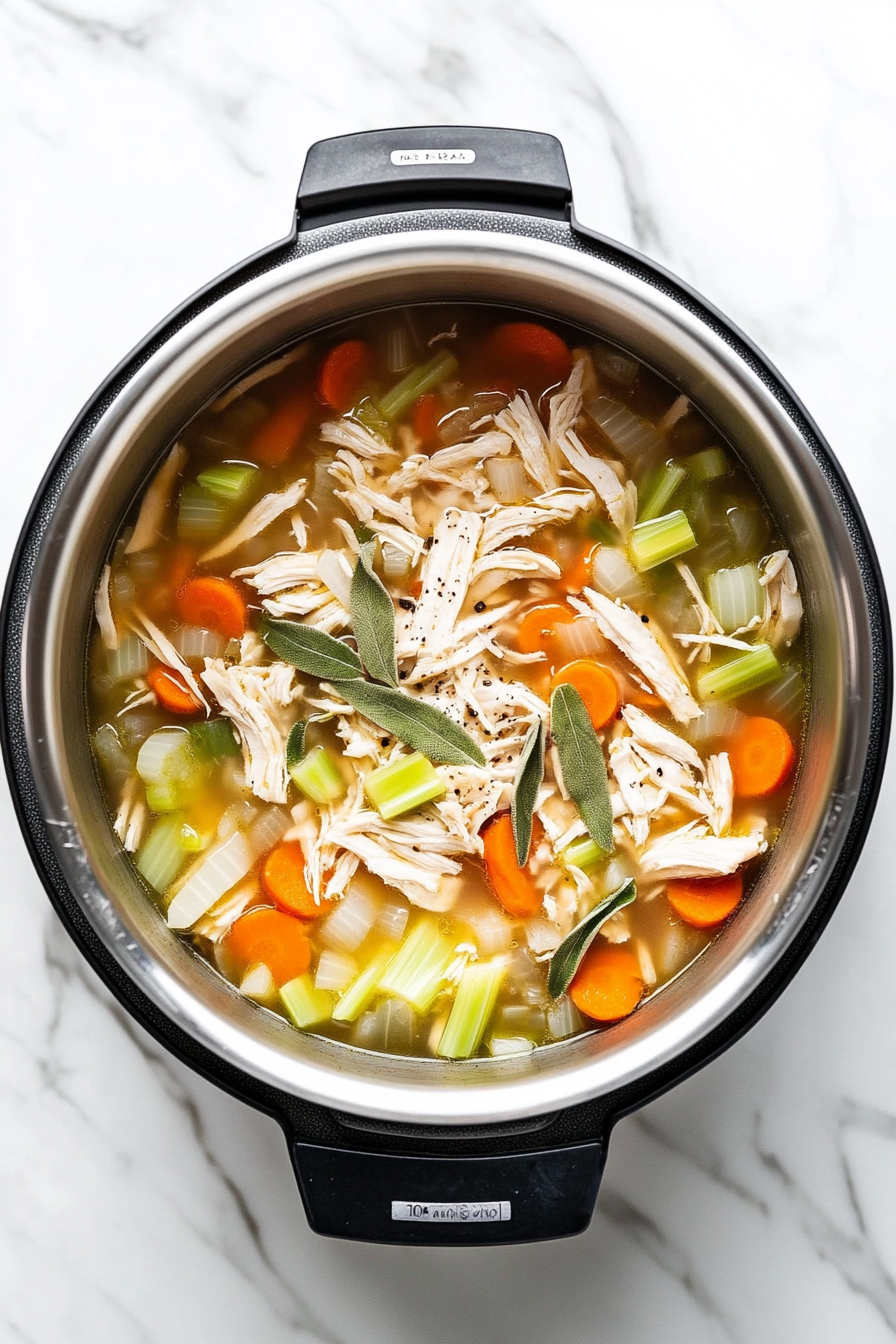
x=411 y=158
x=419 y=1211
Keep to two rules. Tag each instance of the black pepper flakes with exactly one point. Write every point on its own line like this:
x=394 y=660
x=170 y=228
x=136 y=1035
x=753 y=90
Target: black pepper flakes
x=646 y=620
x=407 y=604
x=480 y=606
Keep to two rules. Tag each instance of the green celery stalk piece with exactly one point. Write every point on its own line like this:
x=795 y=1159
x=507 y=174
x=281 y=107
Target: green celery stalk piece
x=318 y=777
x=659 y=490
x=417 y=971
x=739 y=675
x=473 y=1005
x=305 y=1005
x=402 y=396
x=403 y=786
x=661 y=539
x=583 y=853
x=161 y=856
x=361 y=991
x=230 y=481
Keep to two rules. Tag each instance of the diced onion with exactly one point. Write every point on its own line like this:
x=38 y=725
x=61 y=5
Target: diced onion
x=258 y=983
x=267 y=829
x=351 y=921
x=507 y=477
x=718 y=720
x=564 y=1019
x=736 y=596
x=389 y=1027
x=194 y=643
x=393 y=919
x=335 y=971
x=784 y=700
x=129 y=661
x=631 y=436
x=493 y=933
x=510 y=1045
x=336 y=574
x=615 y=365
x=396 y=563
x=236 y=818
x=220 y=870
x=614 y=574
x=153 y=758
x=580 y=638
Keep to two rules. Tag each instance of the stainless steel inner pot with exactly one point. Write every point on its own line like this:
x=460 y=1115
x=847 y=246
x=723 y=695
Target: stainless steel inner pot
x=552 y=275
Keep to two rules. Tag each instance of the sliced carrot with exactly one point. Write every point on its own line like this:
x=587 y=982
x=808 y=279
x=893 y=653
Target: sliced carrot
x=608 y=983
x=172 y=692
x=761 y=756
x=512 y=884
x=283 y=878
x=527 y=355
x=537 y=631
x=343 y=372
x=415 y=588
x=183 y=561
x=578 y=576
x=705 y=901
x=281 y=433
x=272 y=937
x=595 y=685
x=425 y=418
x=215 y=604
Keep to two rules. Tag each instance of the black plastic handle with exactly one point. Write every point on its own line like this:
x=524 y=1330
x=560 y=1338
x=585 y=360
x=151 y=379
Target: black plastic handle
x=425 y=167
x=412 y=1200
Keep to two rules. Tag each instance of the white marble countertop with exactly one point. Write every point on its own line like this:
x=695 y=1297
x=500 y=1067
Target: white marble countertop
x=150 y=144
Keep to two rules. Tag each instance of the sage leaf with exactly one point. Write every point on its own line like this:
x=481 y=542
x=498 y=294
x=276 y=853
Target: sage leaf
x=295 y=744
x=582 y=764
x=373 y=619
x=311 y=651
x=527 y=782
x=568 y=957
x=418 y=725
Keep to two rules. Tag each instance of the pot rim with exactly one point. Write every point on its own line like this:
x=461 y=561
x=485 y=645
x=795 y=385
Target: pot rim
x=622 y=1055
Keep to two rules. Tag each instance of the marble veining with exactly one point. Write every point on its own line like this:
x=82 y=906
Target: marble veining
x=148 y=145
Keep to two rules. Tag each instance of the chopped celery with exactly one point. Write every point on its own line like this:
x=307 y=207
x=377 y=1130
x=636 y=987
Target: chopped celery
x=708 y=465
x=163 y=797
x=583 y=853
x=161 y=855
x=736 y=596
x=111 y=755
x=193 y=841
x=231 y=481
x=661 y=539
x=170 y=769
x=403 y=395
x=159 y=754
x=417 y=970
x=372 y=418
x=403 y=786
x=739 y=675
x=214 y=739
x=359 y=994
x=658 y=490
x=318 y=777
x=200 y=515
x=305 y=1005
x=472 y=1008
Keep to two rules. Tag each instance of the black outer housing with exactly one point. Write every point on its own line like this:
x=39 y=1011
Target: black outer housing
x=348 y=1167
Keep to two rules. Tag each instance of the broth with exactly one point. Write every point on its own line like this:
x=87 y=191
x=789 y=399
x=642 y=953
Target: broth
x=510 y=524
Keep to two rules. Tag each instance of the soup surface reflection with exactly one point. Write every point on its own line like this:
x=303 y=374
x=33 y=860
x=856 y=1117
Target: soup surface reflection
x=447 y=683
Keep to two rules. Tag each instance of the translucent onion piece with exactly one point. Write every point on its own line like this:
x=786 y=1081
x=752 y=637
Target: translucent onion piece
x=268 y=829
x=736 y=596
x=220 y=870
x=678 y=949
x=236 y=818
x=581 y=638
x=564 y=1019
x=389 y=1027
x=111 y=756
x=129 y=661
x=631 y=436
x=718 y=720
x=396 y=563
x=351 y=921
x=194 y=644
x=507 y=477
x=510 y=1045
x=393 y=919
x=615 y=366
x=335 y=971
x=153 y=758
x=258 y=983
x=493 y=933
x=784 y=700
x=614 y=574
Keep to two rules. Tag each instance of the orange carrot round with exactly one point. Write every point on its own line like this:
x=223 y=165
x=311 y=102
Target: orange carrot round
x=214 y=603
x=528 y=355
x=283 y=878
x=282 y=431
x=761 y=757
x=425 y=418
x=512 y=884
x=272 y=937
x=537 y=631
x=703 y=902
x=343 y=372
x=595 y=685
x=172 y=692
x=608 y=984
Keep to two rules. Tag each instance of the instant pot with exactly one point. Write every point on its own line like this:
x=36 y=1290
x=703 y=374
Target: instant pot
x=416 y=1150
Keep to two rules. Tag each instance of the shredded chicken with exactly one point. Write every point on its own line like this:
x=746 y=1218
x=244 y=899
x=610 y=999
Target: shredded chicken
x=620 y=501
x=783 y=605
x=102 y=606
x=130 y=819
x=259 y=517
x=566 y=405
x=162 y=648
x=151 y=517
x=624 y=627
x=693 y=851
x=365 y=500
x=351 y=434
x=505 y=523
x=445 y=577
x=520 y=420
x=260 y=376
x=257 y=700
x=720 y=784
